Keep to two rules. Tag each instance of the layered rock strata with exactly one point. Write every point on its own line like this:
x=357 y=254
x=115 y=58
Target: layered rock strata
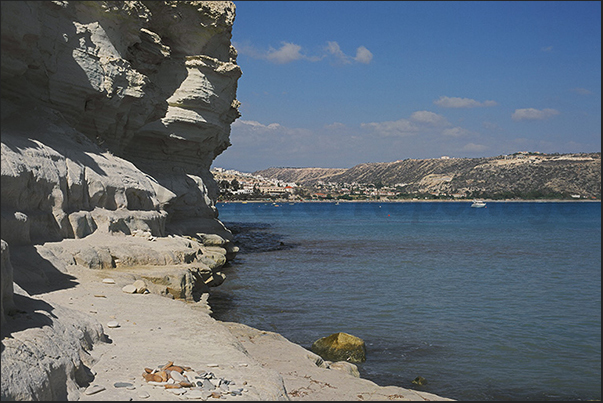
x=112 y=113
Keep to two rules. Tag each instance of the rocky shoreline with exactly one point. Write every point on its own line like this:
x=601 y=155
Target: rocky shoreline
x=121 y=335
x=112 y=114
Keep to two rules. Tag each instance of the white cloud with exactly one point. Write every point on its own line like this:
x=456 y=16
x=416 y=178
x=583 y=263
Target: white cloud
x=285 y=54
x=402 y=127
x=334 y=49
x=429 y=118
x=581 y=91
x=472 y=147
x=254 y=125
x=456 y=132
x=546 y=49
x=455 y=102
x=290 y=52
x=363 y=55
x=419 y=122
x=335 y=126
x=533 y=114
x=491 y=126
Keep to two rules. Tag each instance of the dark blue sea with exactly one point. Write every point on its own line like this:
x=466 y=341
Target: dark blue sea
x=495 y=303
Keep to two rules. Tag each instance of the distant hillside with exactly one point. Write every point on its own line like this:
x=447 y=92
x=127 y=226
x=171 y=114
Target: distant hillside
x=517 y=175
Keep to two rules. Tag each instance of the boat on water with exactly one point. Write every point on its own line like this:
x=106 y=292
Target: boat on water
x=478 y=203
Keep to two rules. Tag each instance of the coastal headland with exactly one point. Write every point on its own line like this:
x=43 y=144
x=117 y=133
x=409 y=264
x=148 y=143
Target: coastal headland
x=112 y=113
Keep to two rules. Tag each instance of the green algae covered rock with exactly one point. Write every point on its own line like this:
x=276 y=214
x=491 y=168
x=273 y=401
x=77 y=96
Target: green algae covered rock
x=419 y=380
x=340 y=347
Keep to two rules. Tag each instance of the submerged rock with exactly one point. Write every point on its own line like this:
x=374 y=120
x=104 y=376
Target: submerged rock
x=419 y=380
x=341 y=347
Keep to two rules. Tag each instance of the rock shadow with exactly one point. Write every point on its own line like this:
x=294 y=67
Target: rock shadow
x=35 y=274
x=26 y=316
x=257 y=237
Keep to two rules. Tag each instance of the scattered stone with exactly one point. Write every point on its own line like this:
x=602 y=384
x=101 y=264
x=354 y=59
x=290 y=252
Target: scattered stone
x=141 y=286
x=176 y=376
x=94 y=389
x=188 y=383
x=108 y=281
x=143 y=395
x=175 y=368
x=213 y=365
x=207 y=385
x=163 y=375
x=129 y=289
x=191 y=375
x=122 y=384
x=149 y=377
x=194 y=394
x=113 y=324
x=243 y=364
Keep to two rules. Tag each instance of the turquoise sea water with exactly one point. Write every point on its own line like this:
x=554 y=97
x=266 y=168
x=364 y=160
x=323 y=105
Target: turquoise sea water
x=498 y=303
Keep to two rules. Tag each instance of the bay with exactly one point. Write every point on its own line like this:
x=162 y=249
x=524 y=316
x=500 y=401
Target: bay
x=498 y=303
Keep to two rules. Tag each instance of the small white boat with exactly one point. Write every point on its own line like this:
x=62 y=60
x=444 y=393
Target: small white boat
x=478 y=203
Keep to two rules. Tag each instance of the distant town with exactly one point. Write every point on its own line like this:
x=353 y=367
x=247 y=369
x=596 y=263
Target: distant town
x=242 y=186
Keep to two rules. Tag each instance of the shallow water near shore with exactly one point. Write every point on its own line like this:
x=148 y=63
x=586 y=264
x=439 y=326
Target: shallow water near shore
x=497 y=303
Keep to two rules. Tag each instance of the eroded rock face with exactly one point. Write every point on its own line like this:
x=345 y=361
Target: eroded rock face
x=114 y=105
x=112 y=113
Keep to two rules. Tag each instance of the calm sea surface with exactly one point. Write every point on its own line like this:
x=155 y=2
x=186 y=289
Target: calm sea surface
x=497 y=303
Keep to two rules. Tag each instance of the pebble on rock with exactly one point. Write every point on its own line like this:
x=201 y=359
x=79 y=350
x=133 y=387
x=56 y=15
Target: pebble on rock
x=108 y=281
x=140 y=285
x=143 y=395
x=129 y=289
x=176 y=376
x=208 y=385
x=155 y=383
x=194 y=394
x=122 y=384
x=113 y=323
x=189 y=384
x=94 y=389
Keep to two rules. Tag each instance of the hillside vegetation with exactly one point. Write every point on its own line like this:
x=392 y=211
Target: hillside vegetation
x=521 y=175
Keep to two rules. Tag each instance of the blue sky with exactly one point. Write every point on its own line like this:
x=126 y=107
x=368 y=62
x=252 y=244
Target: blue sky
x=334 y=84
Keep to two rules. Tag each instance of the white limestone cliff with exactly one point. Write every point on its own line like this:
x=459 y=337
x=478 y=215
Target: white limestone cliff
x=112 y=113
